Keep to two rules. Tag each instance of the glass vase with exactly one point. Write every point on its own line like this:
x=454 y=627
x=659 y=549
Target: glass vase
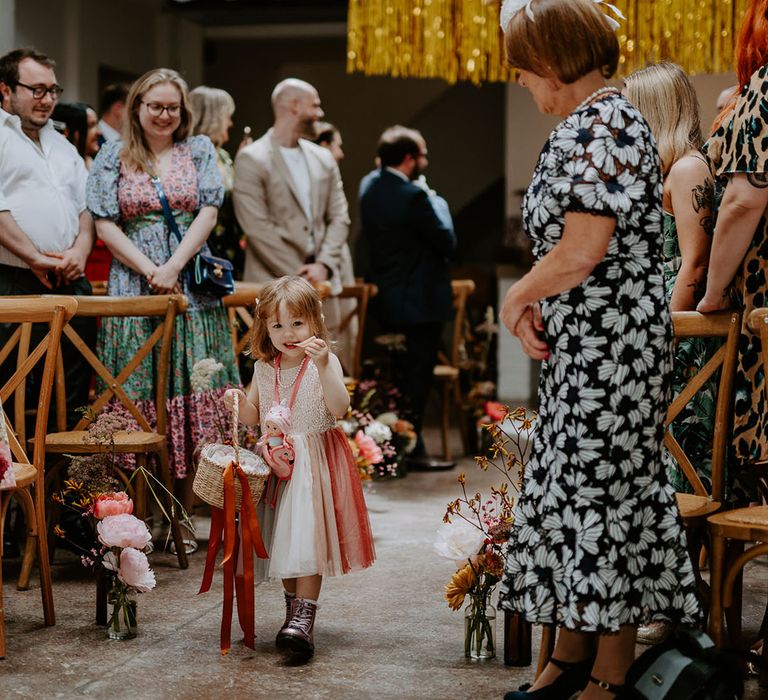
x=122 y=620
x=480 y=627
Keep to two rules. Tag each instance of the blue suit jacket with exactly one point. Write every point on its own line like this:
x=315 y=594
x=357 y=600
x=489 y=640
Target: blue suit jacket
x=409 y=236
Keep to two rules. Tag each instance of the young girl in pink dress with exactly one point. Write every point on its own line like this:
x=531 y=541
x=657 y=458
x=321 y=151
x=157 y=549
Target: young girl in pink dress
x=319 y=526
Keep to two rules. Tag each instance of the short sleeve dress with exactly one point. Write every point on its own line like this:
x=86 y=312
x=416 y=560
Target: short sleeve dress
x=130 y=200
x=316 y=523
x=597 y=540
x=740 y=145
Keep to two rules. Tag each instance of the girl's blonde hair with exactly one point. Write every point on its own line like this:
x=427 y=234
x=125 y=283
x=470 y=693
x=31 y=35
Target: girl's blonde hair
x=212 y=109
x=665 y=97
x=136 y=154
x=301 y=299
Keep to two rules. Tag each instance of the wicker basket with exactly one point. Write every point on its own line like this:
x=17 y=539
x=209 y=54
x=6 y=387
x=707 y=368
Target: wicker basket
x=214 y=458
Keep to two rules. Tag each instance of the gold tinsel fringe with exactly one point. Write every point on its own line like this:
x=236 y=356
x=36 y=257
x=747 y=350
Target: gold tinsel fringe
x=461 y=40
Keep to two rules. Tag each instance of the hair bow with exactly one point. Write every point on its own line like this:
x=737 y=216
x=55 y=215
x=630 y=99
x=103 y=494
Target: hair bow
x=510 y=8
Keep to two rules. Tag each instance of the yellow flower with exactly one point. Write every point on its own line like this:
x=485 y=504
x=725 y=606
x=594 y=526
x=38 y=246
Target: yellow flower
x=59 y=532
x=461 y=583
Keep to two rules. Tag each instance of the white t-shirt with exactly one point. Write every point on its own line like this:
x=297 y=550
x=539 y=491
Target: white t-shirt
x=43 y=186
x=297 y=165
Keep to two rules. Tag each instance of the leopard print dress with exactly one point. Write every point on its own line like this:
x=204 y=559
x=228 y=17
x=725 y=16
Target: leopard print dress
x=740 y=145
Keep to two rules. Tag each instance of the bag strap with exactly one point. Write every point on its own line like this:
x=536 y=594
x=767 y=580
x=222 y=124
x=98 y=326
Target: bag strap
x=297 y=382
x=169 y=219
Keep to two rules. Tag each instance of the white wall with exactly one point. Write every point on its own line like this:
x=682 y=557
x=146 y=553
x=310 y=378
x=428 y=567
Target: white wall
x=81 y=35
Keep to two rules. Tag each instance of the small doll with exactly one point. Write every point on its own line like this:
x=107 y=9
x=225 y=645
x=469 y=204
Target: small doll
x=276 y=447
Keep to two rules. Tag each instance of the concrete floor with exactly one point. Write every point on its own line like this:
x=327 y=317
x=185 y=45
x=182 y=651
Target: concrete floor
x=383 y=633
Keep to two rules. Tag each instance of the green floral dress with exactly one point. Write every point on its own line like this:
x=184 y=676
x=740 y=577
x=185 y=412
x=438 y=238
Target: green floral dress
x=129 y=198
x=694 y=427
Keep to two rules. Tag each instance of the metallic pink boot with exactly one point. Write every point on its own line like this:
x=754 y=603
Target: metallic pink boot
x=290 y=604
x=297 y=636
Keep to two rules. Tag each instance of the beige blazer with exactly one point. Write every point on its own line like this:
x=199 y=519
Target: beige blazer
x=269 y=211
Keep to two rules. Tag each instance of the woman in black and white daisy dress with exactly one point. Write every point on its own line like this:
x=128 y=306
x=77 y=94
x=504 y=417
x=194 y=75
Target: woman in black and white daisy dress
x=598 y=546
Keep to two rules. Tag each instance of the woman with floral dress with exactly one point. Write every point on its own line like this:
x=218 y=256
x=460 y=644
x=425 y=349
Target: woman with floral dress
x=149 y=260
x=598 y=545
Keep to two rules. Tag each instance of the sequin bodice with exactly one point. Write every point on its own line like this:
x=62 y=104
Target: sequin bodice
x=309 y=414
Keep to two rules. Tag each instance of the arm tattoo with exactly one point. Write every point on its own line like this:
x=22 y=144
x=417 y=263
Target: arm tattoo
x=759 y=180
x=703 y=197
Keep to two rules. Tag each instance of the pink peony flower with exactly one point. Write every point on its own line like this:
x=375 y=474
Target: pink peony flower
x=112 y=504
x=134 y=570
x=369 y=450
x=123 y=531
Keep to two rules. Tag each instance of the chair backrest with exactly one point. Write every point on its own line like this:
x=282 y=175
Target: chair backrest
x=758 y=324
x=462 y=289
x=163 y=307
x=361 y=292
x=239 y=306
x=723 y=324
x=23 y=311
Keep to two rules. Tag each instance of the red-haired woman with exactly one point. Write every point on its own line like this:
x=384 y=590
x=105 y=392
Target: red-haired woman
x=738 y=153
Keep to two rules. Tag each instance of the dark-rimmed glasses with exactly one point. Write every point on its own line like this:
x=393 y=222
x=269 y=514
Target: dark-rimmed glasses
x=156 y=109
x=40 y=91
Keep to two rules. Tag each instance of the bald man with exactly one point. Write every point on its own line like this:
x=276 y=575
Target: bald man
x=288 y=195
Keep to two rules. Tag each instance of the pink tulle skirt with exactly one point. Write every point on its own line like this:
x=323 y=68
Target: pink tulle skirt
x=318 y=522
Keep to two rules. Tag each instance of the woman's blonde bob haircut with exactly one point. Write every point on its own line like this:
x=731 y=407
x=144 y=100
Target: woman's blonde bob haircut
x=665 y=97
x=136 y=154
x=301 y=300
x=212 y=109
x=566 y=40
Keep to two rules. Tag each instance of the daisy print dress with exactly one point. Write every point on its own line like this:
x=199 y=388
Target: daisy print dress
x=598 y=541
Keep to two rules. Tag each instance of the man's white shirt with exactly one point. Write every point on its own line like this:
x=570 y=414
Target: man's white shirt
x=108 y=132
x=43 y=186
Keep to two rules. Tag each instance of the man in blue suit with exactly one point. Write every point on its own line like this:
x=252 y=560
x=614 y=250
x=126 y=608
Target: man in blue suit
x=409 y=237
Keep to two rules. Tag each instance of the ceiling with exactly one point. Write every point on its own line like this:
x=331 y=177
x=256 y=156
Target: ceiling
x=240 y=12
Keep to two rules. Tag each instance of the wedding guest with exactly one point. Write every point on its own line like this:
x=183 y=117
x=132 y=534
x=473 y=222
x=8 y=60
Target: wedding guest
x=46 y=232
x=329 y=137
x=112 y=112
x=125 y=201
x=665 y=97
x=81 y=128
x=212 y=111
x=738 y=155
x=597 y=511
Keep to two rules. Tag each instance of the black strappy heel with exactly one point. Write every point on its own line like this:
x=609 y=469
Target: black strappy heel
x=574 y=677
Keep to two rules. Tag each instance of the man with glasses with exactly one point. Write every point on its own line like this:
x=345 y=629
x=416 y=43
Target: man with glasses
x=407 y=231
x=46 y=233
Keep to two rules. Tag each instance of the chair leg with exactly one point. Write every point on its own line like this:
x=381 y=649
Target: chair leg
x=44 y=563
x=4 y=499
x=178 y=540
x=457 y=402
x=734 y=611
x=140 y=487
x=30 y=546
x=547 y=647
x=446 y=420
x=716 y=578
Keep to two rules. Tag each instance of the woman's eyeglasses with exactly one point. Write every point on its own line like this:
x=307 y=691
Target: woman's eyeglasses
x=40 y=91
x=156 y=109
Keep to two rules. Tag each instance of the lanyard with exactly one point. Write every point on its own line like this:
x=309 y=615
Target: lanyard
x=296 y=382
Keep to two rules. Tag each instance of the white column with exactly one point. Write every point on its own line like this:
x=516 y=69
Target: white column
x=7 y=26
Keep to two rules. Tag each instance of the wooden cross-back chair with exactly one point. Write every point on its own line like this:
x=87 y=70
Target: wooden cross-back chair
x=695 y=507
x=30 y=475
x=730 y=532
x=361 y=293
x=447 y=372
x=146 y=441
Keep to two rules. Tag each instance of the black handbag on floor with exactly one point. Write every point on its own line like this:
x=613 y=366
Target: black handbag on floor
x=206 y=274
x=687 y=666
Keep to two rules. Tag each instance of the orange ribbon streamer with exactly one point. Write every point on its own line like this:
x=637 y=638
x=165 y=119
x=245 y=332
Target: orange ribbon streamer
x=224 y=530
